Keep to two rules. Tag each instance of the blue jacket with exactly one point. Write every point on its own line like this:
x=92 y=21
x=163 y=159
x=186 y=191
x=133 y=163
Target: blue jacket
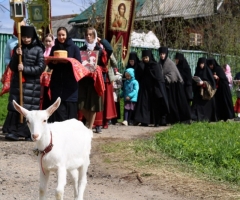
x=130 y=87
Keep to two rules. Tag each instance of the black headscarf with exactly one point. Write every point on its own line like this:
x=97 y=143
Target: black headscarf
x=148 y=53
x=217 y=69
x=133 y=56
x=180 y=58
x=29 y=31
x=152 y=66
x=205 y=74
x=163 y=50
x=184 y=68
x=59 y=45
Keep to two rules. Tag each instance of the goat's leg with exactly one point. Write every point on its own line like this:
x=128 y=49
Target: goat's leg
x=62 y=176
x=74 y=174
x=82 y=181
x=43 y=184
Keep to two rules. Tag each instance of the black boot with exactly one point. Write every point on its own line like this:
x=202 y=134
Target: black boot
x=163 y=121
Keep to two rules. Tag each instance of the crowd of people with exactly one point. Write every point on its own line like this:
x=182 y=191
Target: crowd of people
x=155 y=93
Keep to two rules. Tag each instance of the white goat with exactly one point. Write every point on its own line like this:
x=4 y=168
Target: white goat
x=62 y=146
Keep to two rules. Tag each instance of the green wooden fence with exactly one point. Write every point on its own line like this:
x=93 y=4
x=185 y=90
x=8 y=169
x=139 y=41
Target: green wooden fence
x=3 y=40
x=191 y=56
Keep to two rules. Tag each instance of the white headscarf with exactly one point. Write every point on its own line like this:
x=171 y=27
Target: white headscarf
x=91 y=46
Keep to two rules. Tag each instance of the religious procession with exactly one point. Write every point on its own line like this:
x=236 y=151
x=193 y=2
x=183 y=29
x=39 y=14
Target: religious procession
x=41 y=67
x=148 y=91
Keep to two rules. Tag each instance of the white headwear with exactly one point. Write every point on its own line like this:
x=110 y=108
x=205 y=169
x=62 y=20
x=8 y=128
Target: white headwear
x=91 y=46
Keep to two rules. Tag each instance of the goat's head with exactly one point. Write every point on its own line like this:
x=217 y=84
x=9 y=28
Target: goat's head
x=37 y=119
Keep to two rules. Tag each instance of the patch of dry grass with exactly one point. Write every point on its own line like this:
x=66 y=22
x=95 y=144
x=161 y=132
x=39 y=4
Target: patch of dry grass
x=164 y=173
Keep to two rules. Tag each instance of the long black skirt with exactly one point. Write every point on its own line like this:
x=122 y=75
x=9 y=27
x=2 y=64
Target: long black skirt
x=203 y=110
x=148 y=108
x=12 y=125
x=178 y=104
x=88 y=98
x=66 y=110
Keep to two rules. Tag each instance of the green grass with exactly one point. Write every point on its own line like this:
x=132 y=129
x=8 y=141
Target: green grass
x=3 y=108
x=212 y=149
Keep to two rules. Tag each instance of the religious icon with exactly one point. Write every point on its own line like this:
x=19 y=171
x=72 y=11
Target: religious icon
x=37 y=13
x=89 y=59
x=120 y=16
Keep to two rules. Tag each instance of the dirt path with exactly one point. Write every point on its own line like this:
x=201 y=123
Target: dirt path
x=19 y=175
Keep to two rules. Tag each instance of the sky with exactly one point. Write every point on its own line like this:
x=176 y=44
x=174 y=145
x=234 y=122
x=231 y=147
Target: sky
x=59 y=7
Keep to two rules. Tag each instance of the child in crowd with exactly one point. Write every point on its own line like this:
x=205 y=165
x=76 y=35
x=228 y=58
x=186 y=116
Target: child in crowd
x=227 y=70
x=46 y=75
x=117 y=85
x=129 y=93
x=48 y=43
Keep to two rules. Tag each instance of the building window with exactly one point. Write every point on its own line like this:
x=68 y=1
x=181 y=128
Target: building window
x=195 y=39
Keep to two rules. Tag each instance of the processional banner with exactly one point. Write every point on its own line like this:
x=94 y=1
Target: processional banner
x=39 y=15
x=119 y=20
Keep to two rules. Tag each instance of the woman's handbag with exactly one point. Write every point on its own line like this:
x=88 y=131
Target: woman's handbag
x=207 y=92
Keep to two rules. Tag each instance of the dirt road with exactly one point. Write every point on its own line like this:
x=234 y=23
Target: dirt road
x=19 y=175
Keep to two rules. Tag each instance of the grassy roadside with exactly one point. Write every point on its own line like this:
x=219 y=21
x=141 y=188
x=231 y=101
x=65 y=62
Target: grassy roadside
x=207 y=150
x=211 y=148
x=3 y=108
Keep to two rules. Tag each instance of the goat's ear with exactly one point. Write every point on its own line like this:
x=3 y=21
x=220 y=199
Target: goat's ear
x=20 y=109
x=50 y=110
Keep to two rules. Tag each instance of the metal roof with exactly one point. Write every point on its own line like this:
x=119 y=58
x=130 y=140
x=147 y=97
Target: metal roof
x=100 y=6
x=56 y=23
x=155 y=10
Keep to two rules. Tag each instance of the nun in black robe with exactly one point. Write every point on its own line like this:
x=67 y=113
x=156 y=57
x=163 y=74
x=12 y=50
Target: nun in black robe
x=152 y=97
x=178 y=104
x=203 y=110
x=223 y=96
x=132 y=57
x=185 y=71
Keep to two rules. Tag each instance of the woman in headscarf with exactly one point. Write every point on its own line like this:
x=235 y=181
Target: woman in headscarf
x=32 y=67
x=203 y=109
x=178 y=104
x=63 y=83
x=96 y=111
x=223 y=97
x=6 y=77
x=185 y=71
x=152 y=98
x=133 y=62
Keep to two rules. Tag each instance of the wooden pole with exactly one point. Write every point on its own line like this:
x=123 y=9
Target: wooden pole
x=20 y=72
